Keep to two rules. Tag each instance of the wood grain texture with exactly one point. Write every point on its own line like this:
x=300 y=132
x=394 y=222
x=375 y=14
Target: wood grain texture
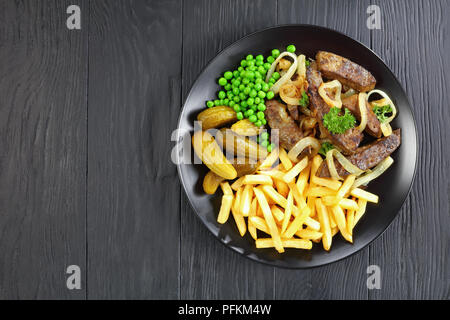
x=43 y=69
x=414 y=252
x=208 y=269
x=345 y=279
x=133 y=188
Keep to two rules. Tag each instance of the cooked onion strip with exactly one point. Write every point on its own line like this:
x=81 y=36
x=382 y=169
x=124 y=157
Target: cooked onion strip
x=301 y=145
x=346 y=164
x=385 y=126
x=363 y=111
x=336 y=85
x=378 y=171
x=287 y=76
x=290 y=94
x=301 y=67
x=349 y=93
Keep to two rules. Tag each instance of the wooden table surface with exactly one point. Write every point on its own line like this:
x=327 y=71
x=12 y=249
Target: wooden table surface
x=86 y=118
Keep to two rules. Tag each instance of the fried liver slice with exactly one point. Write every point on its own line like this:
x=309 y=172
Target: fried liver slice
x=348 y=141
x=373 y=124
x=289 y=133
x=366 y=157
x=333 y=66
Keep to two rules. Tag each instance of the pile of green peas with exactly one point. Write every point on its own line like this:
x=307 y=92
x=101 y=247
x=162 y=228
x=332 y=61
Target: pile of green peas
x=245 y=89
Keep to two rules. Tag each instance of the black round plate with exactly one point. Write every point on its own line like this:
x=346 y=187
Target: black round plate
x=392 y=187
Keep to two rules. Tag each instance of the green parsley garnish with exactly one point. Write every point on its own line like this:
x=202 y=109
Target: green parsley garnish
x=325 y=147
x=304 y=101
x=337 y=124
x=307 y=63
x=382 y=111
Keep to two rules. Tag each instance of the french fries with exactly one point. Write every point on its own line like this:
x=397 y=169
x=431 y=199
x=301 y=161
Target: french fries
x=288 y=206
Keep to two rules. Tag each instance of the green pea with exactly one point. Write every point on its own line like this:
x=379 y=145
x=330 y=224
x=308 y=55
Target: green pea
x=231 y=103
x=253 y=93
x=259 y=57
x=241 y=87
x=253 y=107
x=227 y=87
x=243 y=63
x=267 y=65
x=290 y=48
x=275 y=53
x=261 y=94
x=250 y=74
x=239 y=116
x=259 y=63
x=242 y=96
x=236 y=91
x=263 y=121
x=250 y=64
x=228 y=75
x=260 y=81
x=250 y=112
x=251 y=85
x=250 y=101
x=222 y=81
x=270 y=95
x=222 y=95
x=257 y=100
x=236 y=108
x=246 y=81
x=269 y=148
x=236 y=73
x=258 y=75
x=210 y=104
x=260 y=115
x=244 y=104
x=261 y=70
x=276 y=75
x=264 y=143
x=272 y=81
x=261 y=107
x=252 y=118
x=249 y=57
x=217 y=102
x=265 y=87
x=270 y=60
x=230 y=94
x=236 y=99
x=247 y=90
x=258 y=123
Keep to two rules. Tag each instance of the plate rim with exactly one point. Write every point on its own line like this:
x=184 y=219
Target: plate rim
x=274 y=263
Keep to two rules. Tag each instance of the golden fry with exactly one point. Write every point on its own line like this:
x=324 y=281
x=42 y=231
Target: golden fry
x=224 y=213
x=269 y=219
x=339 y=217
x=285 y=161
x=322 y=214
x=274 y=195
x=257 y=179
x=292 y=173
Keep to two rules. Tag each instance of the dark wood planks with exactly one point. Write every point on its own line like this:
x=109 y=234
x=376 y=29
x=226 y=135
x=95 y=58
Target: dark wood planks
x=43 y=69
x=208 y=269
x=414 y=252
x=345 y=279
x=133 y=188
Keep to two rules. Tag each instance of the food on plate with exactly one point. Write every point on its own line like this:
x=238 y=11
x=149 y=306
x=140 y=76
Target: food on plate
x=293 y=144
x=347 y=72
x=347 y=141
x=373 y=126
x=216 y=117
x=368 y=156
